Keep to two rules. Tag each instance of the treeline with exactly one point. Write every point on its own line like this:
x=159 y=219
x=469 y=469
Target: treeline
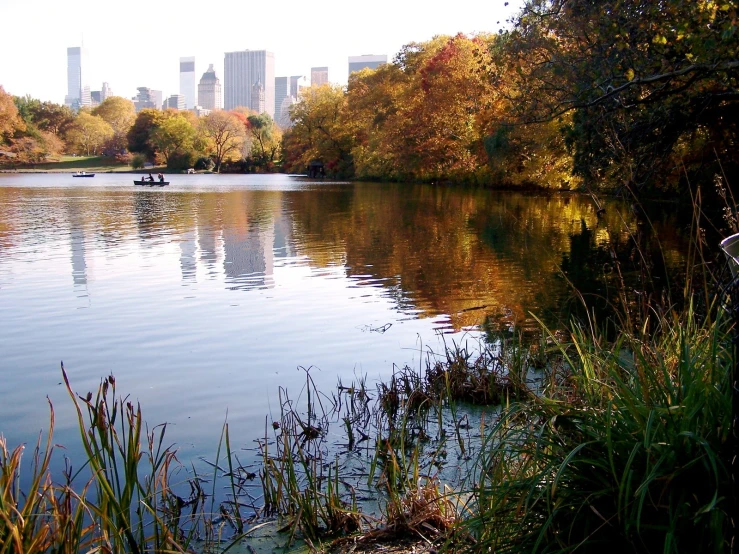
x=618 y=94
x=32 y=131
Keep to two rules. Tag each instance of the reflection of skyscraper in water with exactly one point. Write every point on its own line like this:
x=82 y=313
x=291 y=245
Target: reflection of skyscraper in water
x=79 y=266
x=208 y=244
x=281 y=246
x=248 y=258
x=188 y=252
x=77 y=245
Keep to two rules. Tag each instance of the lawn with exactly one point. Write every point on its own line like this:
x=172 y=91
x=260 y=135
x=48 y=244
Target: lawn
x=99 y=164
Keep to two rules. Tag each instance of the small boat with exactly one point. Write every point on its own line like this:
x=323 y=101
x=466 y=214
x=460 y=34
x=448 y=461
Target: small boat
x=83 y=174
x=150 y=183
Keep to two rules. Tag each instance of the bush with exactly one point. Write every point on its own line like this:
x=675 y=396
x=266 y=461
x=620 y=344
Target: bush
x=204 y=163
x=138 y=161
x=181 y=160
x=124 y=158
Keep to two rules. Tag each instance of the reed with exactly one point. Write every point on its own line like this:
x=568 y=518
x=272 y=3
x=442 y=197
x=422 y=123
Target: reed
x=623 y=451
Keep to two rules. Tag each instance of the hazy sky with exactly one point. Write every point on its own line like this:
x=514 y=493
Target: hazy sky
x=135 y=44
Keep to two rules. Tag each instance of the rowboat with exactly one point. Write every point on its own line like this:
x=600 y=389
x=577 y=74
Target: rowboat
x=150 y=183
x=83 y=174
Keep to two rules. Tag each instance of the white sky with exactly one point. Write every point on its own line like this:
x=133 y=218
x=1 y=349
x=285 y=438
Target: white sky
x=135 y=44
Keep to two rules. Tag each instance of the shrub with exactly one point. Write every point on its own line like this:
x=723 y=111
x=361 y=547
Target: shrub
x=181 y=160
x=204 y=163
x=138 y=161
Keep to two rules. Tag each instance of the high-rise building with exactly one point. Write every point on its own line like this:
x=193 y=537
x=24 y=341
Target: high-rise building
x=258 y=98
x=241 y=72
x=97 y=97
x=105 y=92
x=297 y=84
x=76 y=75
x=187 y=82
x=148 y=98
x=209 y=90
x=318 y=76
x=287 y=93
x=175 y=102
x=282 y=90
x=357 y=63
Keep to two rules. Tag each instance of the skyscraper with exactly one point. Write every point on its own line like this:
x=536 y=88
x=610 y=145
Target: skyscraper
x=297 y=84
x=187 y=82
x=357 y=63
x=175 y=102
x=209 y=90
x=76 y=68
x=282 y=89
x=318 y=76
x=106 y=92
x=148 y=99
x=241 y=72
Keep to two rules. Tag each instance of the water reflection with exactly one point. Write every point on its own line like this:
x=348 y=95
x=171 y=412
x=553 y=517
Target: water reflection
x=207 y=297
x=463 y=257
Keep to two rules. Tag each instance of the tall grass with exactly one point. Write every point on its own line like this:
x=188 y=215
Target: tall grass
x=624 y=451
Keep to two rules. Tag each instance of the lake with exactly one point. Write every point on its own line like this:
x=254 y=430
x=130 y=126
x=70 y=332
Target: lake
x=204 y=297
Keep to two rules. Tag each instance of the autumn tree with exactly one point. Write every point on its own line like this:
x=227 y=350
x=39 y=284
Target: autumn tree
x=120 y=114
x=319 y=132
x=224 y=133
x=10 y=120
x=88 y=133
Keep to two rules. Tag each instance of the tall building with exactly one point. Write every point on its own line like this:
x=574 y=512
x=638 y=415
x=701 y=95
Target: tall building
x=106 y=92
x=318 y=76
x=76 y=74
x=357 y=63
x=187 y=82
x=241 y=72
x=258 y=98
x=282 y=90
x=287 y=93
x=97 y=97
x=148 y=98
x=297 y=84
x=209 y=90
x=175 y=102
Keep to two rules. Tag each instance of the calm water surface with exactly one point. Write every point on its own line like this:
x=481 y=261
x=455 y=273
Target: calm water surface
x=204 y=297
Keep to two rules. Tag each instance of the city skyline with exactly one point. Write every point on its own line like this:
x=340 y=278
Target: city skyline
x=322 y=34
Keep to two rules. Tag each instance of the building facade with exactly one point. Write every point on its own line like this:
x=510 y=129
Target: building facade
x=282 y=89
x=175 y=102
x=209 y=90
x=357 y=63
x=148 y=98
x=298 y=83
x=77 y=95
x=318 y=76
x=242 y=71
x=187 y=82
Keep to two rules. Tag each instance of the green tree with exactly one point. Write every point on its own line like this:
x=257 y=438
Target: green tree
x=647 y=82
x=174 y=135
x=88 y=133
x=139 y=136
x=262 y=130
